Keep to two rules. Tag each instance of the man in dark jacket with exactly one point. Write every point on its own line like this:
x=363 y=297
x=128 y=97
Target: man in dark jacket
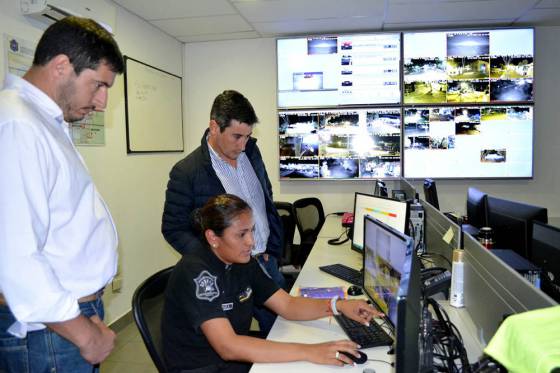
x=227 y=161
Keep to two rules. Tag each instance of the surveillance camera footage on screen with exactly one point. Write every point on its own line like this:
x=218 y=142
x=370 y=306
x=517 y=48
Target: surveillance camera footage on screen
x=464 y=110
x=340 y=144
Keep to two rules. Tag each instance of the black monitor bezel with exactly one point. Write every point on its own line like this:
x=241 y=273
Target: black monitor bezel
x=407 y=345
x=402 y=237
x=430 y=192
x=516 y=212
x=477 y=205
x=551 y=252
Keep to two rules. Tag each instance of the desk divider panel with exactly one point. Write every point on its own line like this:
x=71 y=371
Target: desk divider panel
x=442 y=235
x=494 y=290
x=406 y=186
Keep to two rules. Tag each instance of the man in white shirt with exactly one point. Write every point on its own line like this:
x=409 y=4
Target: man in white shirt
x=57 y=238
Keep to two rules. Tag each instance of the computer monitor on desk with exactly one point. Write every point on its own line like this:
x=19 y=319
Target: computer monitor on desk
x=430 y=193
x=409 y=189
x=380 y=189
x=512 y=223
x=546 y=255
x=391 y=212
x=392 y=282
x=493 y=290
x=441 y=236
x=477 y=213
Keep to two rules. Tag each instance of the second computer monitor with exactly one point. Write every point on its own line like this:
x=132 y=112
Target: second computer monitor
x=385 y=254
x=546 y=255
x=389 y=211
x=380 y=189
x=430 y=193
x=392 y=281
x=476 y=208
x=512 y=223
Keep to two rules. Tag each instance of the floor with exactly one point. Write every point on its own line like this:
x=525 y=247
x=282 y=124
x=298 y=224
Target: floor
x=129 y=355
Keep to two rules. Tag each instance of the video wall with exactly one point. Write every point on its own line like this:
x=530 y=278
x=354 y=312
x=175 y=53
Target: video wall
x=469 y=142
x=319 y=71
x=468 y=66
x=465 y=109
x=340 y=144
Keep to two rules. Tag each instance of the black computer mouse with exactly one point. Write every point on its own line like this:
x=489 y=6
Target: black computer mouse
x=358 y=360
x=355 y=290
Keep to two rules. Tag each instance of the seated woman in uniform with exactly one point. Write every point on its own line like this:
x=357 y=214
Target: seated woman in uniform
x=210 y=297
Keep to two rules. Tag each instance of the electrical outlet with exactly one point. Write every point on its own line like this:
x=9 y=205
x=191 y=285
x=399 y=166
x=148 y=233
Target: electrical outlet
x=116 y=284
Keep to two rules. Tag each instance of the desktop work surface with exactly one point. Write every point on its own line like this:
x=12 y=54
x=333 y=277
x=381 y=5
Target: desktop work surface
x=327 y=329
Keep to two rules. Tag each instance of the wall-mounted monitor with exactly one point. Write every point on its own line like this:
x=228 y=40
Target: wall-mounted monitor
x=337 y=70
x=468 y=66
x=468 y=142
x=360 y=143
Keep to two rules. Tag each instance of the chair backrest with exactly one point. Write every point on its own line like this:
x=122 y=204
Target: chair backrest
x=286 y=212
x=147 y=308
x=310 y=218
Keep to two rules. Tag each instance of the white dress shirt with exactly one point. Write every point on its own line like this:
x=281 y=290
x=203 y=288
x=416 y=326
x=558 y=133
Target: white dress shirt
x=57 y=239
x=243 y=182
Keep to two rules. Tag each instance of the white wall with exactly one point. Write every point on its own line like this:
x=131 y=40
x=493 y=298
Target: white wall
x=249 y=67
x=132 y=185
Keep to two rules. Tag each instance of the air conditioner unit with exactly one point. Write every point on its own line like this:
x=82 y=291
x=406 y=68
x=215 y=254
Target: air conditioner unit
x=50 y=11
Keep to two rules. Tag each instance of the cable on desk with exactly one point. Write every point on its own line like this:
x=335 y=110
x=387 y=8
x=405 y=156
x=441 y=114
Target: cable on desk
x=429 y=256
x=449 y=352
x=338 y=213
x=391 y=363
x=487 y=365
x=338 y=241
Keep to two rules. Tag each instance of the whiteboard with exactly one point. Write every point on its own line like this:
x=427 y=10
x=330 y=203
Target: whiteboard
x=154 y=110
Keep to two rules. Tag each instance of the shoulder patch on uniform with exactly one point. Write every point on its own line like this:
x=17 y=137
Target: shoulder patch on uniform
x=206 y=286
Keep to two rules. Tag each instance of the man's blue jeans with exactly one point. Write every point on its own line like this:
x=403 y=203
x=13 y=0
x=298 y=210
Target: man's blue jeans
x=43 y=351
x=264 y=316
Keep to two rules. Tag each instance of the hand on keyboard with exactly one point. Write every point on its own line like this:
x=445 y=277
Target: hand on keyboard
x=357 y=310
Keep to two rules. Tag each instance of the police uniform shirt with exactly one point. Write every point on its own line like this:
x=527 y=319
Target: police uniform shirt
x=202 y=287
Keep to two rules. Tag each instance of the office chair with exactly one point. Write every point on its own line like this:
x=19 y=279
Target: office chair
x=310 y=217
x=147 y=308
x=287 y=267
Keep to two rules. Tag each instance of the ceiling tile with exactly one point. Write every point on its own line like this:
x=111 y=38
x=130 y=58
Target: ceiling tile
x=283 y=10
x=331 y=25
x=149 y=10
x=203 y=25
x=445 y=24
x=417 y=12
x=548 y=4
x=544 y=17
x=216 y=37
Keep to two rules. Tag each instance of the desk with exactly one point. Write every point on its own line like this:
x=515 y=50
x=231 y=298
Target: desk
x=326 y=329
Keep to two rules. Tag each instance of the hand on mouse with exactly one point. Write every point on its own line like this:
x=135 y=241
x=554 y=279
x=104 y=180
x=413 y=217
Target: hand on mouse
x=331 y=352
x=357 y=310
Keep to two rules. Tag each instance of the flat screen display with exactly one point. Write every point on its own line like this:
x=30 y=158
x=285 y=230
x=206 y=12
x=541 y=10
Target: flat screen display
x=336 y=70
x=340 y=144
x=385 y=255
x=468 y=142
x=491 y=66
x=389 y=211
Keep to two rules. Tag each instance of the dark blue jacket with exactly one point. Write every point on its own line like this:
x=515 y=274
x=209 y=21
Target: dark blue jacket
x=192 y=181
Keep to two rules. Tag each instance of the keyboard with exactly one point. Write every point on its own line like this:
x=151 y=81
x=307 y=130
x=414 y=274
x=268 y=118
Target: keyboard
x=366 y=336
x=343 y=272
